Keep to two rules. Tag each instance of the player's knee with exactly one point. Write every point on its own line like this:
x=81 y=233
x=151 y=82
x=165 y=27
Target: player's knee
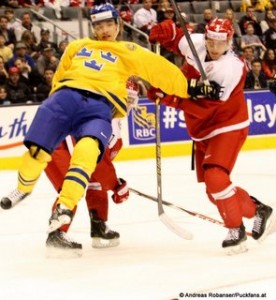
x=86 y=153
x=39 y=154
x=216 y=179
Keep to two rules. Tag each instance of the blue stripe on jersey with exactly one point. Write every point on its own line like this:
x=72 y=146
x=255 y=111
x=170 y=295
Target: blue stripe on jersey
x=26 y=182
x=76 y=179
x=123 y=106
x=80 y=171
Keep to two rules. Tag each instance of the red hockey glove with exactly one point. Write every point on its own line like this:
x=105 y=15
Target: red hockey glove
x=121 y=192
x=197 y=90
x=170 y=100
x=154 y=93
x=167 y=34
x=163 y=32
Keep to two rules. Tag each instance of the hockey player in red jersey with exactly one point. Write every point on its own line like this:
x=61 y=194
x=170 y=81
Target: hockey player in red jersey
x=103 y=179
x=218 y=127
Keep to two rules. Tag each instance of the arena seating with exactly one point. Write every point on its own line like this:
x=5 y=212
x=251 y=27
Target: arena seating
x=193 y=9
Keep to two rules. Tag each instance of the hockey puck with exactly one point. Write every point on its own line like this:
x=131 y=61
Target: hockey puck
x=6 y=203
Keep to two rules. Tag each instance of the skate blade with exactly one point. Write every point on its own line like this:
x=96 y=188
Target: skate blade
x=102 y=243
x=234 y=250
x=270 y=228
x=59 y=253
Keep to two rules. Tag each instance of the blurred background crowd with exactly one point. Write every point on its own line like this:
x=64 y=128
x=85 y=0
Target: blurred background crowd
x=29 y=56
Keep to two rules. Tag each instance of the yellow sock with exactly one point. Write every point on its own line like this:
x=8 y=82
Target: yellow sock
x=34 y=162
x=82 y=164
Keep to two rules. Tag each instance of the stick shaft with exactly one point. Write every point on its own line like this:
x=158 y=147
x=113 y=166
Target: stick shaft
x=190 y=42
x=192 y=213
x=182 y=232
x=158 y=149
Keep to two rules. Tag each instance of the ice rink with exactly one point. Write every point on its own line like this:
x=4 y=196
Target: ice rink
x=151 y=263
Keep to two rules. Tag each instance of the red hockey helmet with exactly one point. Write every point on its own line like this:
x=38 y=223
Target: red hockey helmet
x=219 y=29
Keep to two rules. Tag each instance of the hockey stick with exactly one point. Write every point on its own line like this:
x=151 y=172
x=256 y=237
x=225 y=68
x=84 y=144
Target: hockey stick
x=192 y=213
x=190 y=42
x=183 y=233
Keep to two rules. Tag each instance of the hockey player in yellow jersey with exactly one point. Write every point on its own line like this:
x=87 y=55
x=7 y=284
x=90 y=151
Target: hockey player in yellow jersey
x=88 y=90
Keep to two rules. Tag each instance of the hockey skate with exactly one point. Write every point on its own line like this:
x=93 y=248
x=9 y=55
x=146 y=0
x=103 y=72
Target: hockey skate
x=102 y=236
x=234 y=242
x=59 y=217
x=59 y=245
x=263 y=222
x=13 y=198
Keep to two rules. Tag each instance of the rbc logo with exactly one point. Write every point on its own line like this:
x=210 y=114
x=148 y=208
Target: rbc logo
x=143 y=123
x=145 y=133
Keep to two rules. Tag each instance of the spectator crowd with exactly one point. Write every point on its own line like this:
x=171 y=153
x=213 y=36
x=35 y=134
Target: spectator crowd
x=28 y=57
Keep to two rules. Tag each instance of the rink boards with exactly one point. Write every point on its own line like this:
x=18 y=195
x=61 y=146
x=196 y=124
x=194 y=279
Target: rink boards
x=138 y=129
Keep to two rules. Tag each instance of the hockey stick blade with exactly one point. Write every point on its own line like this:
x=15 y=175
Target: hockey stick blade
x=192 y=213
x=180 y=231
x=171 y=205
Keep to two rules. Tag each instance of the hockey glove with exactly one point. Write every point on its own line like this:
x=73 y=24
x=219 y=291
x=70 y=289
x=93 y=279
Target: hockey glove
x=132 y=94
x=167 y=34
x=169 y=100
x=198 y=90
x=163 y=32
x=154 y=93
x=121 y=192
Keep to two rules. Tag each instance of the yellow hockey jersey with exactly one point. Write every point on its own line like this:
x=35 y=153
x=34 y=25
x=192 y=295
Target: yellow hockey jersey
x=103 y=67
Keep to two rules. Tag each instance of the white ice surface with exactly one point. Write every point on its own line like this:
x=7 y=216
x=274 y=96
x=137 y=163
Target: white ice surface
x=151 y=263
